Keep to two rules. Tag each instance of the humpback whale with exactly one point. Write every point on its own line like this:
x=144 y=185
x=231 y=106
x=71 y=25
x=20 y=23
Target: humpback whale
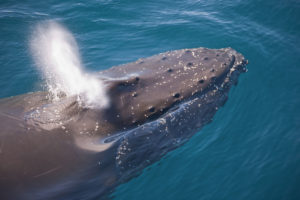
x=61 y=149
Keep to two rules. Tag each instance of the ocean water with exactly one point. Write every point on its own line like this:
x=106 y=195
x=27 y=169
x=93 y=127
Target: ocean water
x=251 y=150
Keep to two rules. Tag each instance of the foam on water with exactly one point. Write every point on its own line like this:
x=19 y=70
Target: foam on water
x=56 y=54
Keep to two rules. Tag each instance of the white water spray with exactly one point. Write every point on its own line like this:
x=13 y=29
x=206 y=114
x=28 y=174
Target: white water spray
x=56 y=54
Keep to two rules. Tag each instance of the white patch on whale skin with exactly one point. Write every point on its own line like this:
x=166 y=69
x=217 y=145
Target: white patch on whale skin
x=89 y=144
x=56 y=54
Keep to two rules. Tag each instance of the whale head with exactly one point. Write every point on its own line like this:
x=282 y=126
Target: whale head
x=146 y=89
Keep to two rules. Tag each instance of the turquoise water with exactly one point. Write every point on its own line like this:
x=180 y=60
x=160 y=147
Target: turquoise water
x=251 y=149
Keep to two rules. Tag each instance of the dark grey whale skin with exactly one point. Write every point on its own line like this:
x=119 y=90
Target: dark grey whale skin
x=63 y=150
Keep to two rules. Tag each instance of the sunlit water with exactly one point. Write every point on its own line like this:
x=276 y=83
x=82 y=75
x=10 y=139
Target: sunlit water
x=251 y=149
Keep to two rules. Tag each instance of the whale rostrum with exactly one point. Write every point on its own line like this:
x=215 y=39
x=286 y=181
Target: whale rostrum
x=156 y=104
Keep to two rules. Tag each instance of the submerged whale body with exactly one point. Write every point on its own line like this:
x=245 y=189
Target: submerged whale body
x=61 y=149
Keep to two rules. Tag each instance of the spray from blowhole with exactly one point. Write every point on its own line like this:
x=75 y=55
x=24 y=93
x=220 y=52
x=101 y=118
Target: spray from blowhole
x=56 y=55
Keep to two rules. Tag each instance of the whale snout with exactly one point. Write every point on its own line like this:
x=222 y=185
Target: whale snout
x=150 y=86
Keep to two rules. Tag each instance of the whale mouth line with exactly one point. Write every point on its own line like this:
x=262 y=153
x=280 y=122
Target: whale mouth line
x=122 y=134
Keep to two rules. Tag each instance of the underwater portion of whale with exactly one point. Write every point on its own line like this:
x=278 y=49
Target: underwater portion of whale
x=61 y=149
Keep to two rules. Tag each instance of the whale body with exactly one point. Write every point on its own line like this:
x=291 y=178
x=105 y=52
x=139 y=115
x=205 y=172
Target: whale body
x=61 y=149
